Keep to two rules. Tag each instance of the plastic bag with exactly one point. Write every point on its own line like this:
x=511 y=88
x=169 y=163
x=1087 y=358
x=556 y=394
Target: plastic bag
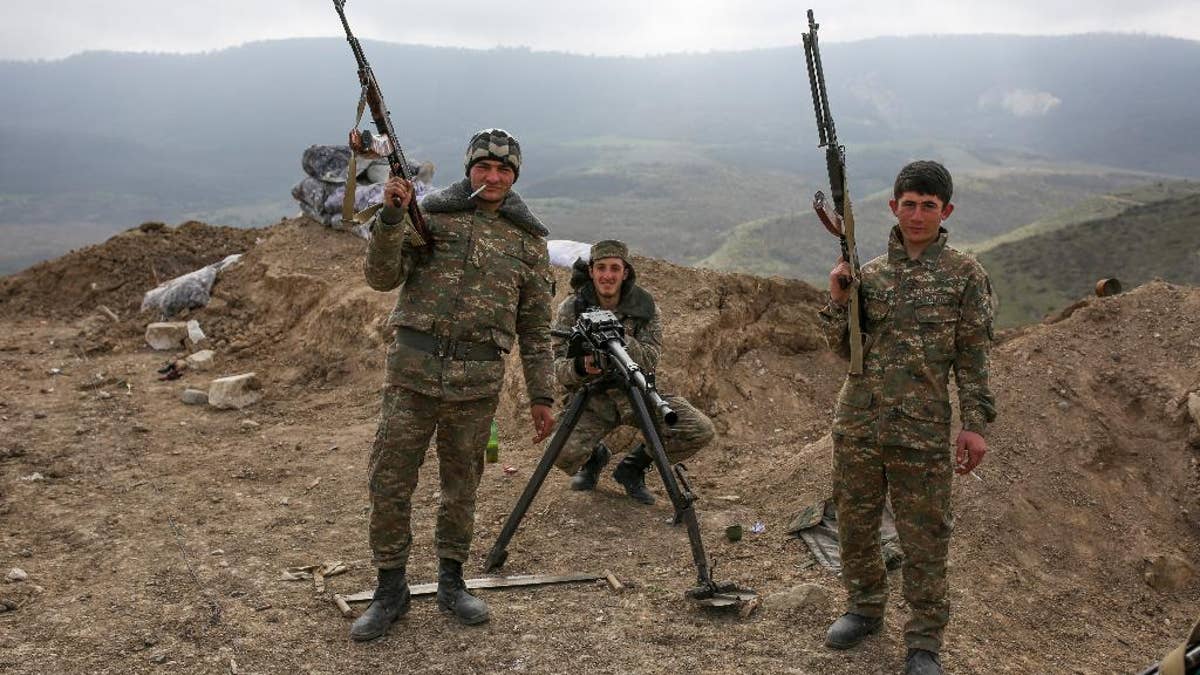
x=187 y=291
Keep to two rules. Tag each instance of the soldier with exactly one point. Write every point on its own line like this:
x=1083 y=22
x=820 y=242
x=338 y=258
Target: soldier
x=485 y=281
x=927 y=310
x=608 y=281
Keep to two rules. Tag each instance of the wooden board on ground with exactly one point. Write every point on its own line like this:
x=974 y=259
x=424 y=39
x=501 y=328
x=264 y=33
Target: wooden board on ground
x=488 y=582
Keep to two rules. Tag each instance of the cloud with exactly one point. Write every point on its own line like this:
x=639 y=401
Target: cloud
x=1020 y=102
x=1026 y=103
x=57 y=28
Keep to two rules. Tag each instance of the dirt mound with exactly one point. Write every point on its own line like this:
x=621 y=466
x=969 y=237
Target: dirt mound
x=117 y=272
x=1084 y=525
x=157 y=531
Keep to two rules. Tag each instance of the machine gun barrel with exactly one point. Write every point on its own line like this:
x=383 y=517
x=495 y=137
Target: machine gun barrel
x=633 y=374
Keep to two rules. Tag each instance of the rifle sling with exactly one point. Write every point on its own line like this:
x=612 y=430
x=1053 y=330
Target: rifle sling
x=348 y=214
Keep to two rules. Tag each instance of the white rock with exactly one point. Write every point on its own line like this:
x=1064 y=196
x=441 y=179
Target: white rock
x=201 y=360
x=195 y=335
x=166 y=335
x=1193 y=405
x=17 y=574
x=237 y=391
x=193 y=396
x=804 y=596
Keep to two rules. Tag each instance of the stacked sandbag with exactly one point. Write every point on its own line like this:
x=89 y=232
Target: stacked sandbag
x=322 y=191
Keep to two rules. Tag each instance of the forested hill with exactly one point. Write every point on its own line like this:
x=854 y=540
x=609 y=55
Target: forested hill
x=1041 y=273
x=231 y=123
x=672 y=152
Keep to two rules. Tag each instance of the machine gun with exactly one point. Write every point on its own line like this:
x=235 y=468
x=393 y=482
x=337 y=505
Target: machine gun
x=600 y=333
x=839 y=222
x=373 y=97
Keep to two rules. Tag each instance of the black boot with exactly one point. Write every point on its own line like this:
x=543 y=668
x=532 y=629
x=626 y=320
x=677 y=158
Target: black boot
x=452 y=595
x=631 y=473
x=922 y=662
x=391 y=600
x=850 y=629
x=589 y=473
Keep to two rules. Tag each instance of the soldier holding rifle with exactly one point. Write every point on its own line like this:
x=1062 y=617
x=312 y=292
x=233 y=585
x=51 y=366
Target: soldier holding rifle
x=904 y=321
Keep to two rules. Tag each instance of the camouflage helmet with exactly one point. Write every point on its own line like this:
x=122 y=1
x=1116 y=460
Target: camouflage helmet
x=609 y=248
x=495 y=144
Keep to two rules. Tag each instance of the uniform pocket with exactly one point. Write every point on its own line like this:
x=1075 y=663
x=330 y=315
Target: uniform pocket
x=878 y=306
x=406 y=365
x=470 y=380
x=927 y=410
x=924 y=424
x=938 y=319
x=854 y=417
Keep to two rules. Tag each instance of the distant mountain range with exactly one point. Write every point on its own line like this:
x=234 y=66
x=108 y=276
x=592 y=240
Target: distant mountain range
x=683 y=154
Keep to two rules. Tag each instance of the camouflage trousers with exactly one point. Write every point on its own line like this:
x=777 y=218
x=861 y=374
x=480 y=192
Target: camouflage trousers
x=606 y=412
x=919 y=483
x=407 y=423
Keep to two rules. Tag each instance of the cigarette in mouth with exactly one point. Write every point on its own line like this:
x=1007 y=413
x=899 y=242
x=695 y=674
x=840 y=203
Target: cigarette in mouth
x=481 y=189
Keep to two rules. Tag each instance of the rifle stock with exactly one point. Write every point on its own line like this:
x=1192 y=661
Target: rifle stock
x=840 y=223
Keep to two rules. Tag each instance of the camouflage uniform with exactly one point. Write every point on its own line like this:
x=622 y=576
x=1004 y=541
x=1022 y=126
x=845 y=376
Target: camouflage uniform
x=609 y=409
x=891 y=433
x=486 y=282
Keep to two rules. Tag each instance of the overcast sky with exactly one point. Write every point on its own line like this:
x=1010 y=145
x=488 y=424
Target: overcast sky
x=49 y=29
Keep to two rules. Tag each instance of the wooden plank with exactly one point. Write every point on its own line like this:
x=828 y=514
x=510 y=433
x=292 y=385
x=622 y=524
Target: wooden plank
x=488 y=582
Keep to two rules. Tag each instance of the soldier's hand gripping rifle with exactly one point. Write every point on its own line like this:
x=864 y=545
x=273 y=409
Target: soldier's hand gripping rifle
x=839 y=221
x=383 y=124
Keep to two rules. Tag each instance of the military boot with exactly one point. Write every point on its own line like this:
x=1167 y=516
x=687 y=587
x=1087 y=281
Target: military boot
x=589 y=473
x=452 y=595
x=850 y=629
x=391 y=600
x=631 y=474
x=921 y=662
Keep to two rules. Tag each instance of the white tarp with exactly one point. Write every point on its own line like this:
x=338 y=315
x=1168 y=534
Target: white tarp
x=187 y=291
x=564 y=252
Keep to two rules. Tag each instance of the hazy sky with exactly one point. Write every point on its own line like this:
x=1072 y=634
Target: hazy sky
x=31 y=29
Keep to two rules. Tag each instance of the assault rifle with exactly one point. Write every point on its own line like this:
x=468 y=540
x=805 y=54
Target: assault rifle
x=600 y=333
x=383 y=124
x=839 y=222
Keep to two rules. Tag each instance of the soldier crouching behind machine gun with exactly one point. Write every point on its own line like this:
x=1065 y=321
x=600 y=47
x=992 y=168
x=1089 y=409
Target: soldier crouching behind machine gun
x=600 y=335
x=608 y=281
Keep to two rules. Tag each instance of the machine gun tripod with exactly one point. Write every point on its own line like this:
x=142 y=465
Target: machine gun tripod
x=600 y=333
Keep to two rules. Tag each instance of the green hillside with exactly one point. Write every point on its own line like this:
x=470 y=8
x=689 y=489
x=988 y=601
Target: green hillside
x=1044 y=272
x=1095 y=208
x=989 y=202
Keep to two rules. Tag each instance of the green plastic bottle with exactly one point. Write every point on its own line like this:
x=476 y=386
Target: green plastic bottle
x=493 y=445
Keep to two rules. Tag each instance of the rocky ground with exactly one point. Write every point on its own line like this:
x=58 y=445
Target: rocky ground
x=153 y=535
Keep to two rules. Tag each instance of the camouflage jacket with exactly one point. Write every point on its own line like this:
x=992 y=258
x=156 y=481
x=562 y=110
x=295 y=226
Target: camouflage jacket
x=486 y=280
x=636 y=310
x=923 y=318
